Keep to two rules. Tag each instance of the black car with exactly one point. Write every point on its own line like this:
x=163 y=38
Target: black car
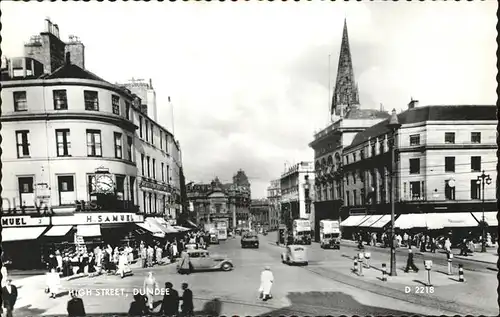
x=250 y=240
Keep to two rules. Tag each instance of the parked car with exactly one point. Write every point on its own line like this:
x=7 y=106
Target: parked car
x=295 y=254
x=202 y=260
x=250 y=239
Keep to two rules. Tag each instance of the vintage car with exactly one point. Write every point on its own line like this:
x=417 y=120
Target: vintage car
x=250 y=239
x=294 y=254
x=202 y=260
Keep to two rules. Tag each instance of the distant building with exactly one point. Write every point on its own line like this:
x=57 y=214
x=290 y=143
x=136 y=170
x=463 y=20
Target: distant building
x=274 y=198
x=259 y=211
x=297 y=196
x=213 y=201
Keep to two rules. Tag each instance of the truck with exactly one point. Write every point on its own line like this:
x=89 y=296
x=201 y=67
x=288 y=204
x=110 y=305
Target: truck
x=329 y=234
x=301 y=231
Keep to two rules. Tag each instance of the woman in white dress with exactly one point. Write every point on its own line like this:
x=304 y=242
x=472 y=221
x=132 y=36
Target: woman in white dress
x=266 y=283
x=53 y=283
x=122 y=265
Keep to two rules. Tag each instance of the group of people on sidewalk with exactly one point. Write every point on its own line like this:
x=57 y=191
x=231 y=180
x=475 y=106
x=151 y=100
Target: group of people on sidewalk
x=144 y=302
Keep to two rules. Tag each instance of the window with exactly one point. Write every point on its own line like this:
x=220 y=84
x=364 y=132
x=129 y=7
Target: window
x=347 y=178
x=91 y=100
x=449 y=164
x=161 y=140
x=150 y=202
x=347 y=196
x=166 y=143
x=152 y=134
x=149 y=170
x=129 y=148
x=120 y=186
x=354 y=175
x=168 y=173
x=60 y=100
x=63 y=143
x=115 y=102
x=25 y=185
x=449 y=137
x=414 y=139
x=94 y=143
x=475 y=137
x=354 y=197
x=144 y=203
x=156 y=203
x=132 y=196
x=415 y=190
x=154 y=168
x=140 y=127
x=354 y=157
x=142 y=164
x=374 y=150
x=362 y=154
x=23 y=145
x=381 y=147
x=415 y=166
x=347 y=159
x=475 y=163
x=118 y=145
x=66 y=189
x=127 y=110
x=20 y=101
x=475 y=189
x=147 y=131
x=162 y=172
x=449 y=192
x=362 y=196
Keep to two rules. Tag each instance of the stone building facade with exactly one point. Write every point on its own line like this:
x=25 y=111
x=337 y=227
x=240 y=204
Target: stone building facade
x=274 y=199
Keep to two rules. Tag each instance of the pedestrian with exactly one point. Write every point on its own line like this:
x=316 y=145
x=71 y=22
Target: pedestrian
x=266 y=283
x=360 y=242
x=422 y=243
x=59 y=261
x=187 y=306
x=185 y=263
x=150 y=286
x=138 y=306
x=75 y=305
x=9 y=297
x=433 y=245
x=123 y=267
x=5 y=275
x=159 y=255
x=150 y=254
x=170 y=303
x=52 y=262
x=447 y=245
x=53 y=283
x=144 y=256
x=405 y=239
x=410 y=264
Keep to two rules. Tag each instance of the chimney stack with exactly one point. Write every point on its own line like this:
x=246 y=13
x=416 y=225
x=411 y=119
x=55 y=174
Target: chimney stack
x=413 y=103
x=56 y=30
x=48 y=25
x=68 y=58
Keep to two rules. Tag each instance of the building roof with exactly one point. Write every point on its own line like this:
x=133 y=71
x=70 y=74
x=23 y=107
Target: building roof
x=367 y=114
x=429 y=113
x=73 y=71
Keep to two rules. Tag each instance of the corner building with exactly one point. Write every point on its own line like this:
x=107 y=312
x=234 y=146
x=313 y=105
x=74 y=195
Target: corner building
x=72 y=155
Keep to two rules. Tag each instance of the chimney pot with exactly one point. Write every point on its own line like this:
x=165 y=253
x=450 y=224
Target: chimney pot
x=48 y=25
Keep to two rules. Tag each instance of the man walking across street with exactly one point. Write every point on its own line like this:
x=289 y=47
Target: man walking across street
x=410 y=264
x=187 y=306
x=75 y=306
x=9 y=297
x=150 y=286
x=170 y=303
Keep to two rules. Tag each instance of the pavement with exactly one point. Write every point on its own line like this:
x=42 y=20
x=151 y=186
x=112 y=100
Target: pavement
x=327 y=286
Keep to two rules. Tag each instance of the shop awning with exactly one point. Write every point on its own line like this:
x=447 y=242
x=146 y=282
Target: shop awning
x=164 y=225
x=58 y=231
x=88 y=230
x=21 y=233
x=408 y=221
x=489 y=216
x=152 y=226
x=370 y=220
x=190 y=223
x=353 y=221
x=450 y=220
x=382 y=221
x=180 y=228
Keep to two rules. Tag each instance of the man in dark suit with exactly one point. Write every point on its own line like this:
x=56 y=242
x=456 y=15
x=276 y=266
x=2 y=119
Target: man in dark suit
x=170 y=303
x=75 y=306
x=9 y=297
x=187 y=301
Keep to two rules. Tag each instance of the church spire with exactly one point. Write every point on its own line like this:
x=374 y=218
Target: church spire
x=346 y=90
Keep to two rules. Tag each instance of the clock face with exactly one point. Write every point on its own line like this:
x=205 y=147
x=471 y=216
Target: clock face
x=104 y=183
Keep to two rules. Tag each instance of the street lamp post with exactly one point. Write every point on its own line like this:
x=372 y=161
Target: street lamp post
x=393 y=125
x=482 y=180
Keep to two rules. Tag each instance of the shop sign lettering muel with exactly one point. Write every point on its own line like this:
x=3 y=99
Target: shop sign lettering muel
x=24 y=221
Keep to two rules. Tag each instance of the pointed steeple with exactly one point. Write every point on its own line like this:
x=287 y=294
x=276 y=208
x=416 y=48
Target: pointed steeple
x=346 y=89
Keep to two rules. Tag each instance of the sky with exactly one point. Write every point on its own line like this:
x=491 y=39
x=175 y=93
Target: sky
x=249 y=82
